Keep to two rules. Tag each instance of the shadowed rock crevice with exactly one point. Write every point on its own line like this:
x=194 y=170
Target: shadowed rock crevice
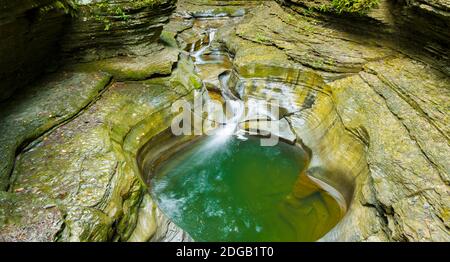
x=29 y=42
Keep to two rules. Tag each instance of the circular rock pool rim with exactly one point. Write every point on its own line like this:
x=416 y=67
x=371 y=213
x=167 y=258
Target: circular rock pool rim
x=164 y=145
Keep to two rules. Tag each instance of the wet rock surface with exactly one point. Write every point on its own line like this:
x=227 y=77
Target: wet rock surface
x=373 y=110
x=409 y=177
x=85 y=167
x=69 y=140
x=50 y=102
x=410 y=96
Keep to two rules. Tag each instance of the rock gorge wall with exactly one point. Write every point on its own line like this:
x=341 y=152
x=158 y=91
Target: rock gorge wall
x=383 y=92
x=89 y=188
x=355 y=92
x=427 y=22
x=28 y=42
x=418 y=28
x=115 y=28
x=364 y=120
x=39 y=35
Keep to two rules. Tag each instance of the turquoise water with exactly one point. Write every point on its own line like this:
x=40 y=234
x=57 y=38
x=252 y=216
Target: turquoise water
x=237 y=190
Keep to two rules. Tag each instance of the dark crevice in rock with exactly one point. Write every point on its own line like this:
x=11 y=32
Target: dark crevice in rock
x=29 y=43
x=59 y=233
x=381 y=213
x=101 y=204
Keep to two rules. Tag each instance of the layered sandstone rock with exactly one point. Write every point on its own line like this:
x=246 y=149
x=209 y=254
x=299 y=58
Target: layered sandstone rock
x=390 y=119
x=79 y=182
x=372 y=109
x=28 y=43
x=418 y=28
x=105 y=29
x=40 y=35
x=335 y=6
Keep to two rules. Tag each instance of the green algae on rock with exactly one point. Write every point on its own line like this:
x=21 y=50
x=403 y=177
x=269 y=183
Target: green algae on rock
x=409 y=182
x=105 y=29
x=159 y=63
x=89 y=168
x=47 y=104
x=336 y=6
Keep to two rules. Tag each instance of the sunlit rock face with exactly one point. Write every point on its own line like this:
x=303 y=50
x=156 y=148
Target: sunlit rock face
x=216 y=8
x=373 y=103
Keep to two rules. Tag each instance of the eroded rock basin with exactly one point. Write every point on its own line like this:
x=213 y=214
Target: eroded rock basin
x=367 y=97
x=231 y=189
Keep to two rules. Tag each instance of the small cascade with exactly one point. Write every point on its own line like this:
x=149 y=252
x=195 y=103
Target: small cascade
x=235 y=108
x=211 y=64
x=197 y=55
x=228 y=184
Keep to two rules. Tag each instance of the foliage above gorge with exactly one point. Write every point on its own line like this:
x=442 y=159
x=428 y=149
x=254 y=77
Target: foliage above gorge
x=353 y=6
x=340 y=6
x=101 y=10
x=67 y=6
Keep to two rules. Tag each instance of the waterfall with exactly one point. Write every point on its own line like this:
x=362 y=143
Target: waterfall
x=234 y=106
x=198 y=54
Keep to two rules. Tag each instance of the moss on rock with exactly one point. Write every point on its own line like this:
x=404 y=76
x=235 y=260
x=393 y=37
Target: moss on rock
x=335 y=6
x=87 y=167
x=106 y=29
x=159 y=63
x=47 y=104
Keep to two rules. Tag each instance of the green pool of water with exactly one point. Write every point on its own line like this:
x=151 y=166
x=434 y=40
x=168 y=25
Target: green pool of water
x=240 y=191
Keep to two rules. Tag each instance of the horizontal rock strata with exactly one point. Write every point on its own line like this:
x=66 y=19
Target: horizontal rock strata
x=115 y=28
x=371 y=108
x=28 y=43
